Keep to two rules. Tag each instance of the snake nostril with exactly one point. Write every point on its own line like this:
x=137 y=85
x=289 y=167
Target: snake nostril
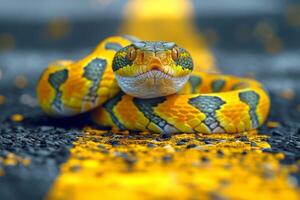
x=155 y=64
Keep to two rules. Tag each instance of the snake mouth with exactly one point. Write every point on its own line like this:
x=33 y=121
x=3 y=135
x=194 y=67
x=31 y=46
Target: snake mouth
x=153 y=83
x=155 y=74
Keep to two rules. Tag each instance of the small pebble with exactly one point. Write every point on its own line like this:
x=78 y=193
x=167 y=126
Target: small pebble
x=276 y=132
x=185 y=140
x=244 y=138
x=220 y=153
x=253 y=144
x=28 y=100
x=75 y=168
x=191 y=146
x=166 y=135
x=208 y=142
x=114 y=142
x=179 y=143
x=204 y=159
x=169 y=148
x=151 y=145
x=46 y=128
x=167 y=158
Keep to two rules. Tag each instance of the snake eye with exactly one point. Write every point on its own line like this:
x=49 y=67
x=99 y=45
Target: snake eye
x=175 y=53
x=131 y=53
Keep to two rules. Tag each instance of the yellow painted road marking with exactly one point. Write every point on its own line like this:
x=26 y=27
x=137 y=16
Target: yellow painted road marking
x=168 y=20
x=188 y=166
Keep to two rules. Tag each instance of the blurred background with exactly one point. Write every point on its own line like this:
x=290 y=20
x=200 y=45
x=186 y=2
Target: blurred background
x=257 y=38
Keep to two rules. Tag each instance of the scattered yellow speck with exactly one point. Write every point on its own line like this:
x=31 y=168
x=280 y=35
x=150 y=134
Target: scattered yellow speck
x=20 y=81
x=2 y=99
x=273 y=44
x=272 y=124
x=264 y=30
x=298 y=108
x=288 y=94
x=279 y=156
x=12 y=159
x=7 y=41
x=266 y=33
x=10 y=162
x=17 y=118
x=25 y=161
x=292 y=15
x=2 y=172
x=58 y=28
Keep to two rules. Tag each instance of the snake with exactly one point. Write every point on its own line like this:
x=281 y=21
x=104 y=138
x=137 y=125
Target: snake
x=151 y=86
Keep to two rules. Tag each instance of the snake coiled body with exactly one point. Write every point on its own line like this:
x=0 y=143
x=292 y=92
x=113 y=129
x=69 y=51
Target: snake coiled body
x=206 y=103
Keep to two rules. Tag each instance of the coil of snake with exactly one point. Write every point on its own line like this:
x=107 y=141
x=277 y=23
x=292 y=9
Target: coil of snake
x=151 y=86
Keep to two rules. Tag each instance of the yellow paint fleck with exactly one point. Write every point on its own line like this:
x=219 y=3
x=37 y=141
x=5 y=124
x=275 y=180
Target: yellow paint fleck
x=2 y=173
x=25 y=161
x=288 y=94
x=273 y=45
x=17 y=117
x=7 y=41
x=298 y=107
x=292 y=15
x=2 y=99
x=12 y=159
x=58 y=28
x=20 y=81
x=272 y=124
x=265 y=32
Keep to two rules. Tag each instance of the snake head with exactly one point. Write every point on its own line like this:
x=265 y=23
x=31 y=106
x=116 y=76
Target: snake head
x=152 y=69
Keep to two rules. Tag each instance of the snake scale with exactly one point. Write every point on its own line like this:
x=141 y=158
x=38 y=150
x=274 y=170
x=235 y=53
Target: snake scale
x=151 y=86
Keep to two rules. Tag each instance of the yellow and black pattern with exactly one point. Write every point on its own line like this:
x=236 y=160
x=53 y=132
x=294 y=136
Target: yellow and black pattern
x=208 y=103
x=56 y=79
